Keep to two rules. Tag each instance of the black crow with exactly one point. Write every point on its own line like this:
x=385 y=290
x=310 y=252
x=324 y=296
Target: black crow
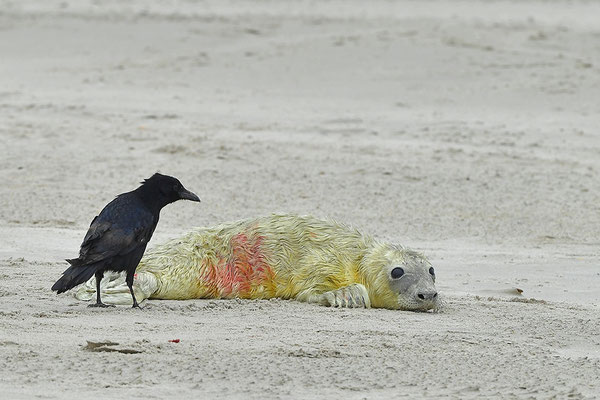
x=117 y=237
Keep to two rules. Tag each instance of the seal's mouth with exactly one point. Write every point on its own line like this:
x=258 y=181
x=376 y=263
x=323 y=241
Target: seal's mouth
x=427 y=308
x=434 y=307
x=418 y=304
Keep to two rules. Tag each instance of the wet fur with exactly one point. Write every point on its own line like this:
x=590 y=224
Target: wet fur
x=283 y=256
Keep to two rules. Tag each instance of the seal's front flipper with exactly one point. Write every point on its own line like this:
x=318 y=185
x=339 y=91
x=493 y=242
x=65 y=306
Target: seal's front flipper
x=352 y=296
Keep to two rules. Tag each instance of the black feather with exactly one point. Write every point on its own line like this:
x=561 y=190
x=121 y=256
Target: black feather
x=74 y=276
x=117 y=237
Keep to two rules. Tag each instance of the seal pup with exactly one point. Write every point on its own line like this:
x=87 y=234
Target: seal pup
x=280 y=256
x=117 y=237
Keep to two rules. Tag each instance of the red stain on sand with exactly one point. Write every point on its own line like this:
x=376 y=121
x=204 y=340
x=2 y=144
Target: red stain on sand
x=244 y=269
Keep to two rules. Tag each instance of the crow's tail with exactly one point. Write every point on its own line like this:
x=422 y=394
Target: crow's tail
x=74 y=275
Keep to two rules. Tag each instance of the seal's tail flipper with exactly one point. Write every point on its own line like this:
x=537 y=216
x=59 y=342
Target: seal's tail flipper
x=114 y=289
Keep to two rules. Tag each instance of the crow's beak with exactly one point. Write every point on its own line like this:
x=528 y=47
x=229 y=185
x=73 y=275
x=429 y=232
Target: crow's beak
x=187 y=195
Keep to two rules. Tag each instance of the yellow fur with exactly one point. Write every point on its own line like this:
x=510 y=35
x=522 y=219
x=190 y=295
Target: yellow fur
x=283 y=256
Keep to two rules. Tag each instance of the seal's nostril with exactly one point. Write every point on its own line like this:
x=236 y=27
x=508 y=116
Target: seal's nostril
x=427 y=295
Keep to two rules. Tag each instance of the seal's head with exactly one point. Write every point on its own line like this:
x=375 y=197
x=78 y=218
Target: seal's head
x=406 y=281
x=413 y=278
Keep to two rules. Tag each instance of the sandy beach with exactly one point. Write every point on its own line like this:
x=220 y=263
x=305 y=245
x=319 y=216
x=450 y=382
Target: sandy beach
x=467 y=130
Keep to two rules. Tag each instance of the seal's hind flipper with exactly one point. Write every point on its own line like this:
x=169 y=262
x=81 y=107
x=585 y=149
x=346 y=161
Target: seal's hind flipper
x=114 y=289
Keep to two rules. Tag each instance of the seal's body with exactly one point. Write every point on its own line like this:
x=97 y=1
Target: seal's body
x=282 y=256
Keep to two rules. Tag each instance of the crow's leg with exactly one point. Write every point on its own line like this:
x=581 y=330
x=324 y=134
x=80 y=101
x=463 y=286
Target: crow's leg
x=129 y=280
x=99 y=303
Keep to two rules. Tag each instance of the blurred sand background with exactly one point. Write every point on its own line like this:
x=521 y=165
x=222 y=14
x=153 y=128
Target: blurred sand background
x=468 y=130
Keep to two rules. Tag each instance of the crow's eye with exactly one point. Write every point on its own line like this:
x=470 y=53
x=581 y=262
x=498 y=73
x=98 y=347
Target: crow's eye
x=432 y=271
x=397 y=273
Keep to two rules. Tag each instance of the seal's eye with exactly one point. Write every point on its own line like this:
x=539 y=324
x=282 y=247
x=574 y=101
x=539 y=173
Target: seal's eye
x=397 y=273
x=431 y=271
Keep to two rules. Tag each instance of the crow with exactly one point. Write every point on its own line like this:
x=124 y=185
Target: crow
x=117 y=237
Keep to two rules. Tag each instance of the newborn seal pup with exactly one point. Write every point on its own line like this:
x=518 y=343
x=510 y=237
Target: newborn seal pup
x=280 y=256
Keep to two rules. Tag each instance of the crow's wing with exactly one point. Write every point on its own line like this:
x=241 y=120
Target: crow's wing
x=120 y=228
x=96 y=230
